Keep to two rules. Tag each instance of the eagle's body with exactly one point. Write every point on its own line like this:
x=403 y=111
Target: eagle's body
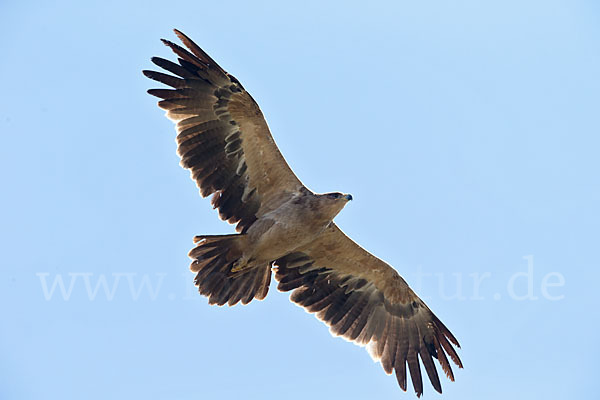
x=285 y=229
x=224 y=140
x=272 y=236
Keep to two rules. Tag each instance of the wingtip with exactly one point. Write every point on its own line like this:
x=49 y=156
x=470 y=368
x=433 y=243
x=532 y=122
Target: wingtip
x=453 y=339
x=167 y=43
x=182 y=36
x=179 y=34
x=160 y=93
x=197 y=51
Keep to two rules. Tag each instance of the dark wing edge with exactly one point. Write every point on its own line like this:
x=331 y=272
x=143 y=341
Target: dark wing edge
x=220 y=127
x=386 y=316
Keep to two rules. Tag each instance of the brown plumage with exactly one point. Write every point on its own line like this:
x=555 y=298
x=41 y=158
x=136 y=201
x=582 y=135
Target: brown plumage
x=224 y=140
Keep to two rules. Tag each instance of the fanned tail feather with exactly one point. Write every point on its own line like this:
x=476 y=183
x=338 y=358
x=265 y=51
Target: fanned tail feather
x=214 y=257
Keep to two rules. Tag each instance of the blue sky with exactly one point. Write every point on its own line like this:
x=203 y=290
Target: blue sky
x=466 y=131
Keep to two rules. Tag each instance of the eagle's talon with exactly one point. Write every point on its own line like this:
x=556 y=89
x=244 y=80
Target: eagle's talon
x=236 y=268
x=239 y=265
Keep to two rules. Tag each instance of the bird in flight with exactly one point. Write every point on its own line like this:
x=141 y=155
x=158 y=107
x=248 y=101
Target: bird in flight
x=286 y=229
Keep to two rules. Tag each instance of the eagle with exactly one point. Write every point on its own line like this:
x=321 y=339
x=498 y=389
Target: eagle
x=285 y=229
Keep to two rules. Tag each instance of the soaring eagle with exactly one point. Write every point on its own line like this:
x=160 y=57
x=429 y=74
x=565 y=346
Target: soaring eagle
x=285 y=228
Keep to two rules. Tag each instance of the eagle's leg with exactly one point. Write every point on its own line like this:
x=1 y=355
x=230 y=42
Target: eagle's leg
x=240 y=264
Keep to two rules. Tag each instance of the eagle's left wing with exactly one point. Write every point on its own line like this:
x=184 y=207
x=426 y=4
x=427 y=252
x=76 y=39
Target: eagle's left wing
x=364 y=300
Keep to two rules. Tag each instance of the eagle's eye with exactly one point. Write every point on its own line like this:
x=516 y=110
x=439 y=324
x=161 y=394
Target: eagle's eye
x=335 y=195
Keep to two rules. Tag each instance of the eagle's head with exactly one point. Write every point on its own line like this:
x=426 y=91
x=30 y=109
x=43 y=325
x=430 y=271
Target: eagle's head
x=337 y=196
x=330 y=204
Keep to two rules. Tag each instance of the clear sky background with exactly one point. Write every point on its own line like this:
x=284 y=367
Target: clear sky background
x=467 y=132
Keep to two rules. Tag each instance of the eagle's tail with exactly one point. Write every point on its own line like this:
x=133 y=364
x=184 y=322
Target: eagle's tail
x=220 y=275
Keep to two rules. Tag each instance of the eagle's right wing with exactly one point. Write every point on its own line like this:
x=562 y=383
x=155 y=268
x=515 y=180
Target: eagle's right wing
x=223 y=138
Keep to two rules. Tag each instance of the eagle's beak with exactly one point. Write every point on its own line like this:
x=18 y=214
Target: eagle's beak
x=348 y=197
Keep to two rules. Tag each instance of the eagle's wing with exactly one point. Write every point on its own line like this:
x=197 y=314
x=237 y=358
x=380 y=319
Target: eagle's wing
x=364 y=300
x=223 y=138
